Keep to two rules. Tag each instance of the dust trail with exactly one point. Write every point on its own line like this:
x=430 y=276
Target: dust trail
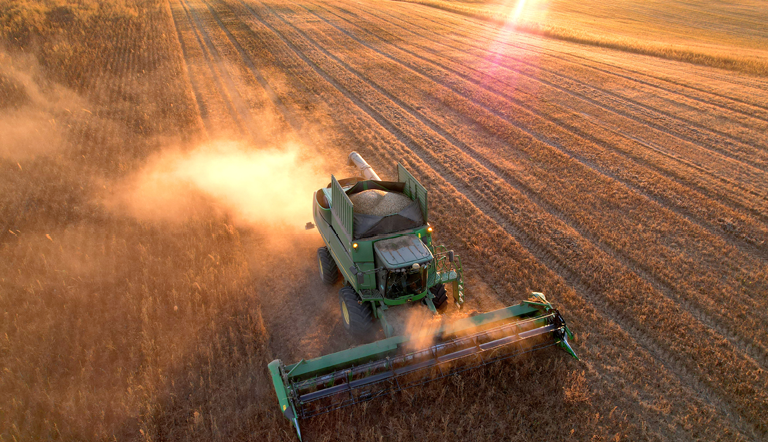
x=420 y=325
x=255 y=187
x=32 y=110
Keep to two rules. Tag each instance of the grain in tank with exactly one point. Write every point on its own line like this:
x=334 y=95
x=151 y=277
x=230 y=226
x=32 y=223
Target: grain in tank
x=379 y=202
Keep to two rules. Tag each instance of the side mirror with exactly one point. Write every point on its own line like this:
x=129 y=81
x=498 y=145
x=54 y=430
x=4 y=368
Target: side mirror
x=450 y=255
x=360 y=278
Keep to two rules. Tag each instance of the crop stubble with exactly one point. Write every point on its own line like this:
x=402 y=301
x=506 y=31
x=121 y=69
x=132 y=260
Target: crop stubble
x=631 y=191
x=396 y=104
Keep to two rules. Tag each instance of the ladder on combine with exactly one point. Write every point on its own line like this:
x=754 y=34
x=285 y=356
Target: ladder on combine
x=447 y=270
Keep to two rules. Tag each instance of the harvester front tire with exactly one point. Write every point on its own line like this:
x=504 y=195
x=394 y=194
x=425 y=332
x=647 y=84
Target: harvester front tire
x=356 y=316
x=329 y=272
x=441 y=296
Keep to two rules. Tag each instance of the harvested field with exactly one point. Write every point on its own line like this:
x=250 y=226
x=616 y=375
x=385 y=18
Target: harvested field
x=630 y=189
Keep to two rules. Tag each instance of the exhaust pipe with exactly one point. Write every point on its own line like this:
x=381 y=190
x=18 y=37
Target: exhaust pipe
x=356 y=160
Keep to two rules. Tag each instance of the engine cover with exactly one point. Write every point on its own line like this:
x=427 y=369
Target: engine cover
x=402 y=252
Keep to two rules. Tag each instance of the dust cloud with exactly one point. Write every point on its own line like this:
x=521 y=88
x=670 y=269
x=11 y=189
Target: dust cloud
x=31 y=109
x=420 y=326
x=253 y=186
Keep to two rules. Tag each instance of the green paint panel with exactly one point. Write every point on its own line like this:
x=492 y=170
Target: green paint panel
x=341 y=209
x=280 y=390
x=328 y=363
x=414 y=189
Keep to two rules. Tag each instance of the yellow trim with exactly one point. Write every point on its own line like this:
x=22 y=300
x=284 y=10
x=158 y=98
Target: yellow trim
x=345 y=312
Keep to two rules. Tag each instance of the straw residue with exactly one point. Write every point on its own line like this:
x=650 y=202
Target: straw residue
x=379 y=202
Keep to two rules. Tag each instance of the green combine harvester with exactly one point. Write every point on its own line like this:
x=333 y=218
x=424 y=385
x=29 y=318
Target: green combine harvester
x=388 y=260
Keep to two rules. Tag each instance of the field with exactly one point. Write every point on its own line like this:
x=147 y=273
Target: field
x=726 y=34
x=158 y=159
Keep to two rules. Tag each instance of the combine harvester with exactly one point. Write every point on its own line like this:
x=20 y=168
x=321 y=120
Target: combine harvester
x=388 y=260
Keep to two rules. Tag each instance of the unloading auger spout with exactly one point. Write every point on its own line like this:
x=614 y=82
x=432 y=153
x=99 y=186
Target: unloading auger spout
x=356 y=160
x=388 y=260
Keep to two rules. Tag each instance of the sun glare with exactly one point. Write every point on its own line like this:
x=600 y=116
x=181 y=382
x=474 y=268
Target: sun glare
x=515 y=16
x=499 y=40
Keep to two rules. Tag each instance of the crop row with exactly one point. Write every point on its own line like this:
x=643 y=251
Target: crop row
x=543 y=198
x=304 y=53
x=473 y=63
x=561 y=177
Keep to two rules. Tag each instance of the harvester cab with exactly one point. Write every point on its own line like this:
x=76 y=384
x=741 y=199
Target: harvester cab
x=404 y=266
x=378 y=239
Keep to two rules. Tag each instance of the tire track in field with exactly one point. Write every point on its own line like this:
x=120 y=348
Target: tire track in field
x=249 y=55
x=229 y=93
x=754 y=112
x=500 y=93
x=542 y=256
x=759 y=354
x=706 y=143
x=421 y=118
x=734 y=240
x=202 y=109
x=725 y=133
x=680 y=367
x=660 y=128
x=543 y=140
x=674 y=131
x=733 y=199
x=214 y=76
x=749 y=111
x=276 y=101
x=176 y=42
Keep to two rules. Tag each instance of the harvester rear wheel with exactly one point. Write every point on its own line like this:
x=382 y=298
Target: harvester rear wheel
x=329 y=272
x=441 y=296
x=356 y=316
